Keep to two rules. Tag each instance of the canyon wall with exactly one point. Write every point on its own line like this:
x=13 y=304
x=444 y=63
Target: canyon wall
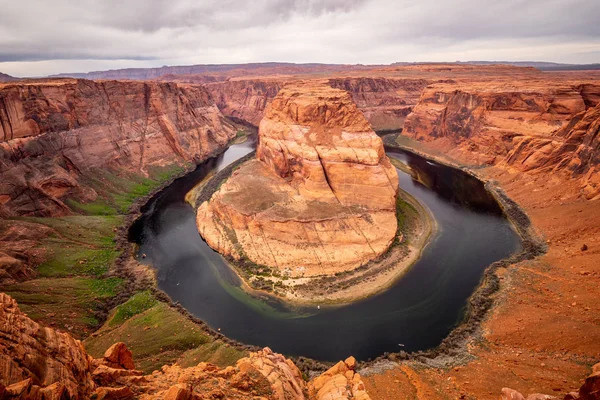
x=534 y=127
x=320 y=196
x=55 y=136
x=245 y=99
x=384 y=102
x=39 y=363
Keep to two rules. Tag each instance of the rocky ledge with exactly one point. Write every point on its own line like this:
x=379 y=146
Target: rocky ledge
x=318 y=199
x=37 y=362
x=520 y=126
x=59 y=138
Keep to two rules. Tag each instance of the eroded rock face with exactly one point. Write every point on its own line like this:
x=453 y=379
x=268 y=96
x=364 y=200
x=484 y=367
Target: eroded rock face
x=339 y=382
x=245 y=99
x=536 y=128
x=385 y=102
x=55 y=133
x=42 y=363
x=590 y=390
x=320 y=196
x=34 y=355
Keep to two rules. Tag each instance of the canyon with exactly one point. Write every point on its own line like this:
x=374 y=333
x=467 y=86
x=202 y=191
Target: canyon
x=56 y=133
x=319 y=199
x=67 y=143
x=550 y=129
x=532 y=134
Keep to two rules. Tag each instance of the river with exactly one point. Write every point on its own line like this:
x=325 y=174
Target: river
x=416 y=313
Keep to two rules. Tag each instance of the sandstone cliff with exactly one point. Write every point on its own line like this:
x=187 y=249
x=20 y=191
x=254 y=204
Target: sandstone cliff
x=55 y=134
x=320 y=196
x=41 y=363
x=537 y=127
x=245 y=99
x=385 y=102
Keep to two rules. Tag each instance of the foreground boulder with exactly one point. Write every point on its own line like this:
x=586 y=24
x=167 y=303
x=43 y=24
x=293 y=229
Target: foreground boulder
x=339 y=382
x=320 y=197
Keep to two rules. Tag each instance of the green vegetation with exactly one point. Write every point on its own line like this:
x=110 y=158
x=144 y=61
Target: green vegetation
x=240 y=137
x=406 y=215
x=158 y=335
x=118 y=192
x=77 y=245
x=65 y=303
x=72 y=289
x=137 y=304
x=215 y=352
x=78 y=250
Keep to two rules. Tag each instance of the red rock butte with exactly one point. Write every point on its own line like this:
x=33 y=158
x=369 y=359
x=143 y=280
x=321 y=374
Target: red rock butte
x=319 y=198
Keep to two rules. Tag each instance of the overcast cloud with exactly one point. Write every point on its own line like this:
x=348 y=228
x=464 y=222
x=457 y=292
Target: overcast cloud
x=40 y=37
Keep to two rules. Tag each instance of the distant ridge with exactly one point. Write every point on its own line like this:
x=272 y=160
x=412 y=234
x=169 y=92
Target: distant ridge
x=544 y=66
x=541 y=65
x=292 y=68
x=252 y=69
x=7 y=78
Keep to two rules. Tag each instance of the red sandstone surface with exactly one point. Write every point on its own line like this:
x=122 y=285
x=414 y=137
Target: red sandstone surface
x=37 y=362
x=319 y=169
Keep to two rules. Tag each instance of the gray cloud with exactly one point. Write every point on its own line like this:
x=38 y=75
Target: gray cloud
x=35 y=34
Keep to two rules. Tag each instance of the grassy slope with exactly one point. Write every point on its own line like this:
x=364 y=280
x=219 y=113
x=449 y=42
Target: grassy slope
x=79 y=252
x=73 y=283
x=158 y=334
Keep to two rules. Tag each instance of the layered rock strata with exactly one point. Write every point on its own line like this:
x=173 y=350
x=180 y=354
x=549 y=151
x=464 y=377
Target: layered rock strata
x=320 y=196
x=41 y=363
x=385 y=102
x=54 y=134
x=246 y=99
x=40 y=356
x=534 y=128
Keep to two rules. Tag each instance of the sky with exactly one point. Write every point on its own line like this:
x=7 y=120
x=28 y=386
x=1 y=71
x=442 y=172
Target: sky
x=40 y=37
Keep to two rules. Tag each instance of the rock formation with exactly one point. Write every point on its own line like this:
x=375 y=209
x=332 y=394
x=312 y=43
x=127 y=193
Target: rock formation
x=339 y=382
x=40 y=356
x=245 y=99
x=575 y=148
x=320 y=196
x=536 y=127
x=41 y=363
x=20 y=248
x=385 y=102
x=53 y=134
